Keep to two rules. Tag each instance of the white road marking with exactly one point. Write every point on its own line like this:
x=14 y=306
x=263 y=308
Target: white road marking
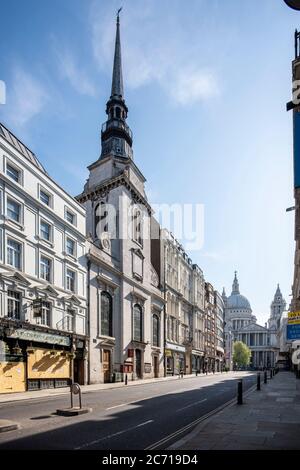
x=173 y=392
x=131 y=402
x=192 y=404
x=113 y=435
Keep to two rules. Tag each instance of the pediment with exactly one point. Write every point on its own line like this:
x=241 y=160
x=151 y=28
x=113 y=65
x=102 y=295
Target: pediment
x=253 y=327
x=47 y=290
x=15 y=277
x=73 y=300
x=138 y=252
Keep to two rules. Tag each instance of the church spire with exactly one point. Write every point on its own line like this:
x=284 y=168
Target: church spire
x=235 y=285
x=278 y=304
x=117 y=89
x=278 y=292
x=116 y=136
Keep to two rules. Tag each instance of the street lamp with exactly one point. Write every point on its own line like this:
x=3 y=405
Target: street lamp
x=295 y=4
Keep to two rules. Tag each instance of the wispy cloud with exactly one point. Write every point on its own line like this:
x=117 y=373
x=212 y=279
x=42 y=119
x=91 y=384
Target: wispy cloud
x=70 y=70
x=194 y=85
x=154 y=51
x=26 y=98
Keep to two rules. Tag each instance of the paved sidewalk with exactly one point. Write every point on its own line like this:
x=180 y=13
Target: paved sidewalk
x=268 y=419
x=9 y=397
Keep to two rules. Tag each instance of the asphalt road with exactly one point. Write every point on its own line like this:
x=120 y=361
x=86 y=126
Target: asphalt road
x=133 y=417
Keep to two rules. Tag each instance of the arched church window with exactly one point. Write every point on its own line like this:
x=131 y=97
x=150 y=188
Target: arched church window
x=101 y=216
x=106 y=314
x=137 y=226
x=118 y=113
x=137 y=323
x=155 y=330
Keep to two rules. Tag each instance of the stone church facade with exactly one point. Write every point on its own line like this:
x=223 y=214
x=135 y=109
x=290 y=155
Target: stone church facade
x=125 y=301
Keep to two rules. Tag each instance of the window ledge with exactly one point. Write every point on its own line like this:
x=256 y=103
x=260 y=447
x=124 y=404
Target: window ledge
x=13 y=223
x=45 y=242
x=71 y=257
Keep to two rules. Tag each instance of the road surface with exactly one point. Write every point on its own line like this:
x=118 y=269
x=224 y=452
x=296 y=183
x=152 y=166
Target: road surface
x=133 y=417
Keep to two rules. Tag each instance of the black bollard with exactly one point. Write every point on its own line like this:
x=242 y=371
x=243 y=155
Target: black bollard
x=265 y=377
x=240 y=393
x=271 y=376
x=126 y=379
x=258 y=381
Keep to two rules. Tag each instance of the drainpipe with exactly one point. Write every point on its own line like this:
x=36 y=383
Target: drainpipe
x=165 y=314
x=88 y=318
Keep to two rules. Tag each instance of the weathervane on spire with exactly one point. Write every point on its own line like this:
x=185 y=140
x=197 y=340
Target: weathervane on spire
x=118 y=14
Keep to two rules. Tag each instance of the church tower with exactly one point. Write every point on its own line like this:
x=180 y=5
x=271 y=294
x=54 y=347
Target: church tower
x=278 y=306
x=126 y=304
x=116 y=136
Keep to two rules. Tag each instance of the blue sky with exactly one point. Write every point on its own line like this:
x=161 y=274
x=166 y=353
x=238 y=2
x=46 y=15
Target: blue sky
x=206 y=82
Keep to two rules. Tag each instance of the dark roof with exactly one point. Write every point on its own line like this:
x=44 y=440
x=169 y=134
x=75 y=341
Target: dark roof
x=18 y=145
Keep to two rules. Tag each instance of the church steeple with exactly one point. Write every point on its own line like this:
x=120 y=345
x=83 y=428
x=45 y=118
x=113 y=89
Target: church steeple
x=278 y=304
x=235 y=285
x=224 y=297
x=116 y=136
x=117 y=88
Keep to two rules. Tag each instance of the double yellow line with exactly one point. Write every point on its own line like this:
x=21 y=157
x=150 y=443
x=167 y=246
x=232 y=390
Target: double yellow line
x=188 y=427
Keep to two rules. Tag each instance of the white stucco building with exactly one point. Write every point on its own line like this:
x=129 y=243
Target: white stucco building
x=184 y=289
x=42 y=275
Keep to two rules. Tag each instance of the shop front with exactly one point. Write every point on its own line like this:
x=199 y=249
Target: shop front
x=175 y=359
x=32 y=359
x=197 y=361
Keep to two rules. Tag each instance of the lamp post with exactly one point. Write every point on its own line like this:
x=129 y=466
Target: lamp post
x=294 y=4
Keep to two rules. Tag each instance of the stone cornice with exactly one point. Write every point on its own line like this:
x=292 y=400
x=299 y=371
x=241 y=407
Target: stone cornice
x=104 y=188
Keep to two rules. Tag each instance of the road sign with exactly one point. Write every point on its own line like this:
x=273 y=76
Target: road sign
x=295 y=4
x=293 y=326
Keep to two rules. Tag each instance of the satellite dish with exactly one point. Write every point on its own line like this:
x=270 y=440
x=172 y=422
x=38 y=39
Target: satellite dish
x=295 y=4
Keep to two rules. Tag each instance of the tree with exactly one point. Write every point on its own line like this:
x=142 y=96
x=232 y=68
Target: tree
x=241 y=354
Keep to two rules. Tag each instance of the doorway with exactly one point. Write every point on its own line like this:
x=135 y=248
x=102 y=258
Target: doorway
x=138 y=363
x=156 y=366
x=79 y=371
x=106 y=365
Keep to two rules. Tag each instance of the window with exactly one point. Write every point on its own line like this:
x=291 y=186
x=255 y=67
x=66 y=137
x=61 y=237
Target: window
x=13 y=210
x=13 y=304
x=101 y=217
x=13 y=173
x=137 y=323
x=106 y=314
x=155 y=330
x=70 y=217
x=45 y=231
x=137 y=227
x=70 y=247
x=45 y=268
x=44 y=319
x=68 y=324
x=70 y=280
x=45 y=197
x=14 y=251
